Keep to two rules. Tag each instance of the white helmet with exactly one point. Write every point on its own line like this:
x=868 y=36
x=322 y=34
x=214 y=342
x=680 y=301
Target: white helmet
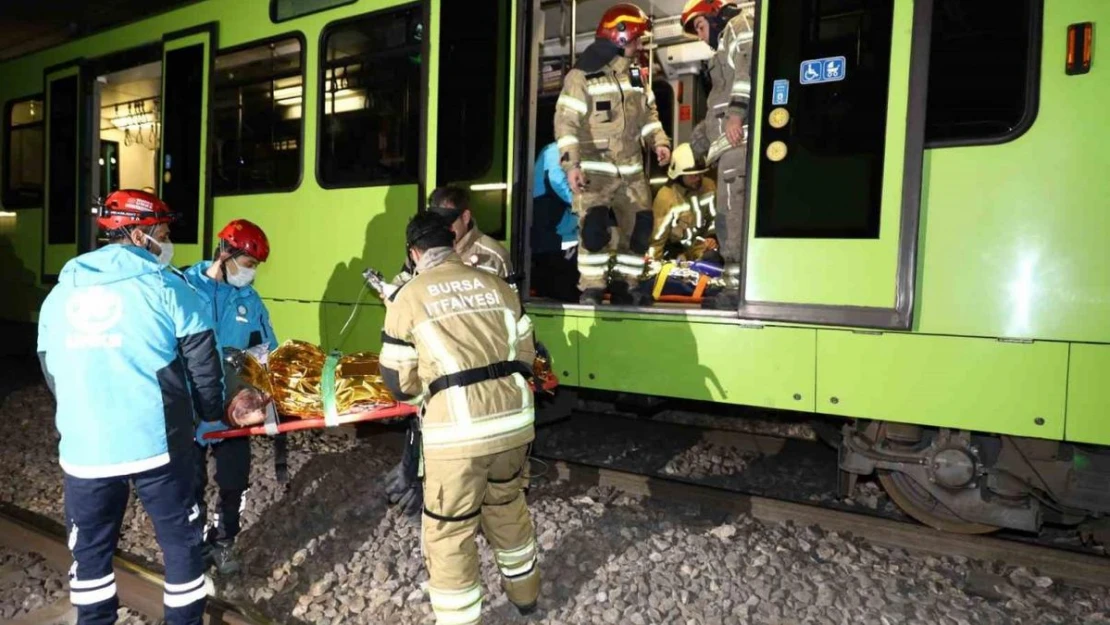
x=683 y=163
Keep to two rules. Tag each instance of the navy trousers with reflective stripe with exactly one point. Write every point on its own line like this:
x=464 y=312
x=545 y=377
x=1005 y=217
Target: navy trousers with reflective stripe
x=94 y=513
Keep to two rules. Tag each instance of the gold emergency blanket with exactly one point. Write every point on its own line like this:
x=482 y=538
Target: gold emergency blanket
x=293 y=373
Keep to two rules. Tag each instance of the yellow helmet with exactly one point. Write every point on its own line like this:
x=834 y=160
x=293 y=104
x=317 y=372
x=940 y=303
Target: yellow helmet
x=683 y=162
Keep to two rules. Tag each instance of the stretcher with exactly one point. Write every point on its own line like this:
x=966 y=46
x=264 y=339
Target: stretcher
x=275 y=425
x=687 y=283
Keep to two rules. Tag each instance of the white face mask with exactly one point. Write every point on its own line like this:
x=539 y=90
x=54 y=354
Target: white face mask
x=165 y=254
x=242 y=276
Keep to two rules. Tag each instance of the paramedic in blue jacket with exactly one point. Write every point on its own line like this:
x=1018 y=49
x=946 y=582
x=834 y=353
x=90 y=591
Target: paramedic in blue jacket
x=241 y=321
x=123 y=343
x=554 y=230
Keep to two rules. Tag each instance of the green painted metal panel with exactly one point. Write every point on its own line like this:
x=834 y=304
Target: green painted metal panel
x=560 y=336
x=322 y=241
x=296 y=320
x=20 y=233
x=727 y=362
x=431 y=101
x=859 y=272
x=1013 y=239
x=364 y=332
x=976 y=384
x=1089 y=394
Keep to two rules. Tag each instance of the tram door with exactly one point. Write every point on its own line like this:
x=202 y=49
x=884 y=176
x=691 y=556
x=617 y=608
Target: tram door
x=66 y=219
x=182 y=168
x=835 y=161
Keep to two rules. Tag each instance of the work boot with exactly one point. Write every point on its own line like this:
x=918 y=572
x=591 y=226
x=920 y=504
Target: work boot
x=223 y=557
x=592 y=297
x=620 y=295
x=728 y=299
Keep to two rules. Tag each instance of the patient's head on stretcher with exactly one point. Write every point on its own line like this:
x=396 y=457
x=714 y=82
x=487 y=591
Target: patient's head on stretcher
x=246 y=408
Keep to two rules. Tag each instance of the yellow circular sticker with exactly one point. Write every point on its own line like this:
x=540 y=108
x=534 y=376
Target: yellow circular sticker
x=778 y=117
x=776 y=151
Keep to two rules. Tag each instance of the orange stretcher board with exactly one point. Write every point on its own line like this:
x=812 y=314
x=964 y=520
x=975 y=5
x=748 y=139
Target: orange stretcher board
x=388 y=411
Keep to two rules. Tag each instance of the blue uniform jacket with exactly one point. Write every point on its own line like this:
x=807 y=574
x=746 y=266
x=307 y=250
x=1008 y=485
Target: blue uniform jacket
x=548 y=171
x=127 y=349
x=238 y=314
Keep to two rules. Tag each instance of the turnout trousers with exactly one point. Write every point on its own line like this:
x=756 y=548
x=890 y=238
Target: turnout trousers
x=622 y=202
x=94 y=509
x=233 y=467
x=461 y=497
x=731 y=211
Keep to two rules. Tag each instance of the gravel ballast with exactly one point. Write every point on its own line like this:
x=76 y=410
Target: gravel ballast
x=328 y=550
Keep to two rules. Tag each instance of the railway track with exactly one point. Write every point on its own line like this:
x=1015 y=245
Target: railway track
x=1077 y=569
x=139 y=588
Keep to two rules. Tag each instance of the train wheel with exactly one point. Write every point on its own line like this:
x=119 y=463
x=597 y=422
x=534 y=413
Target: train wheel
x=921 y=505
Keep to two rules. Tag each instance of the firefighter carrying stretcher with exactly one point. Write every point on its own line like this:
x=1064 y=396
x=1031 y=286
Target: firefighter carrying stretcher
x=604 y=117
x=456 y=341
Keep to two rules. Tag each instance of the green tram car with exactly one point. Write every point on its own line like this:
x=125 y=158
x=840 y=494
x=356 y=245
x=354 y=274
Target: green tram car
x=930 y=260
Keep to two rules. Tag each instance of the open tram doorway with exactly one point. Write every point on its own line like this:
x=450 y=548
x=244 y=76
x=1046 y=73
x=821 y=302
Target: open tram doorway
x=674 y=62
x=130 y=129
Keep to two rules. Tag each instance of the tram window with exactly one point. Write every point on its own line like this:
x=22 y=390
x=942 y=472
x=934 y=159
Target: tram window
x=830 y=184
x=282 y=10
x=982 y=70
x=258 y=118
x=61 y=224
x=474 y=91
x=23 y=152
x=370 y=100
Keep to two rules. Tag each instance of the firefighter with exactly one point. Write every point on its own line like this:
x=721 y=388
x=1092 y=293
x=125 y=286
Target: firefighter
x=604 y=117
x=241 y=321
x=684 y=210
x=721 y=138
x=457 y=341
x=478 y=250
x=473 y=246
x=123 y=341
x=554 y=230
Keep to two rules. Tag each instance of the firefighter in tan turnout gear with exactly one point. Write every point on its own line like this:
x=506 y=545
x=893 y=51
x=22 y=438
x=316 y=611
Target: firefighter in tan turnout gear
x=604 y=118
x=474 y=248
x=684 y=210
x=721 y=138
x=457 y=341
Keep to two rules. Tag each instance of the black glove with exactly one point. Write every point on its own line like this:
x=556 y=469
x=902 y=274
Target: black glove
x=402 y=484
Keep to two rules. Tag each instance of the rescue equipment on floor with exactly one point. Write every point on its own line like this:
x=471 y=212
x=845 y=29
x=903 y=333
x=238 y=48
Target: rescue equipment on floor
x=686 y=282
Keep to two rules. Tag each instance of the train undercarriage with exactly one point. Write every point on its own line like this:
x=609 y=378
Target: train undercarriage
x=964 y=482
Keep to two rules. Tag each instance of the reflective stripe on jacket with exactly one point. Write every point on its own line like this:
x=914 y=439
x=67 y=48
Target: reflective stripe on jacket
x=450 y=318
x=603 y=120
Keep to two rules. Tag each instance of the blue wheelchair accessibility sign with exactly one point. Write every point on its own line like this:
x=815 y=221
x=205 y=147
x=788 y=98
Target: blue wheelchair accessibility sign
x=815 y=71
x=780 y=92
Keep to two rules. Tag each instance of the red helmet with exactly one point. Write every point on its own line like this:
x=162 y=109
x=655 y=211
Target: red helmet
x=623 y=23
x=244 y=236
x=695 y=8
x=130 y=207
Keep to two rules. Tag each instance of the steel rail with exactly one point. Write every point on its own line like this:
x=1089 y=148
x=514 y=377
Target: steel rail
x=139 y=588
x=1076 y=569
